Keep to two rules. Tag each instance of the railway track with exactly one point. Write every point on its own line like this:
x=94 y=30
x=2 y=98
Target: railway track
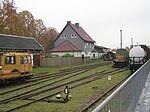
x=97 y=77
x=103 y=96
x=20 y=95
x=63 y=71
x=57 y=76
x=48 y=77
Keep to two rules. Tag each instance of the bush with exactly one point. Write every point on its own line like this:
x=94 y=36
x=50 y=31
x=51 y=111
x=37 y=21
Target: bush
x=68 y=55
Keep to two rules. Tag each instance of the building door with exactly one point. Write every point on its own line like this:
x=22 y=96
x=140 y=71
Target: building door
x=93 y=55
x=36 y=60
x=82 y=57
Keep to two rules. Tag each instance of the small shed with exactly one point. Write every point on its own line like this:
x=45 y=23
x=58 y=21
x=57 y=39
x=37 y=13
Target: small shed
x=12 y=43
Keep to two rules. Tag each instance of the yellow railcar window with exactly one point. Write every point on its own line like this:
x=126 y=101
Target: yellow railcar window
x=29 y=59
x=21 y=60
x=25 y=60
x=0 y=60
x=10 y=60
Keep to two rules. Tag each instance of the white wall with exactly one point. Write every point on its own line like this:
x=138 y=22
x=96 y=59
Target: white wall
x=79 y=54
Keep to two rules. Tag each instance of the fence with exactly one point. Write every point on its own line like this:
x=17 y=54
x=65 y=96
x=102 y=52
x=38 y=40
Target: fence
x=67 y=61
x=125 y=98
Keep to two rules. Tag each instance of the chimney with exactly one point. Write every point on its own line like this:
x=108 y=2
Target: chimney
x=77 y=25
x=68 y=22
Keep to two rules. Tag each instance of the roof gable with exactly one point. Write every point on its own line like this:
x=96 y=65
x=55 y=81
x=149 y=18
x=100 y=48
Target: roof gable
x=19 y=42
x=65 y=46
x=79 y=30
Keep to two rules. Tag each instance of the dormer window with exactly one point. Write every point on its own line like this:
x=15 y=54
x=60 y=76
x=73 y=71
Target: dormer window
x=62 y=37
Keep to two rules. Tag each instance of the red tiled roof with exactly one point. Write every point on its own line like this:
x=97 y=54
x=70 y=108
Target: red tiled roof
x=66 y=46
x=80 y=31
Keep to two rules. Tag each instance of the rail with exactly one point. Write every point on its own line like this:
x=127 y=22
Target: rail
x=125 y=97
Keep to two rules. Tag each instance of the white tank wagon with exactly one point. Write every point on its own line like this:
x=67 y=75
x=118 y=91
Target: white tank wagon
x=138 y=56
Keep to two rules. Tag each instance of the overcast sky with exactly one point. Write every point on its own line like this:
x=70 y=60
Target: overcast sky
x=101 y=19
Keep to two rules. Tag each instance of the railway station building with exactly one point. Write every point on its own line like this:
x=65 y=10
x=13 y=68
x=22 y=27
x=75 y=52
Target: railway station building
x=74 y=40
x=12 y=43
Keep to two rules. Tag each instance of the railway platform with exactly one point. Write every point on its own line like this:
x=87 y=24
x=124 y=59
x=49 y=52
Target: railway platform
x=144 y=100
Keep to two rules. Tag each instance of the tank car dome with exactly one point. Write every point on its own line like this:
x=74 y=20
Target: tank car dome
x=137 y=52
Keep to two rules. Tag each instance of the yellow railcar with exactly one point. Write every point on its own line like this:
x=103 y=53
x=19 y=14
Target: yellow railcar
x=15 y=66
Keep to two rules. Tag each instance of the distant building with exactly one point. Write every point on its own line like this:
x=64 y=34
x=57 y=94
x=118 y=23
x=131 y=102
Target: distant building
x=12 y=43
x=101 y=50
x=75 y=41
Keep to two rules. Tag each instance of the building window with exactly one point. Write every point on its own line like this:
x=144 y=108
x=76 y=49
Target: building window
x=75 y=35
x=72 y=35
x=62 y=37
x=90 y=45
x=87 y=44
x=65 y=36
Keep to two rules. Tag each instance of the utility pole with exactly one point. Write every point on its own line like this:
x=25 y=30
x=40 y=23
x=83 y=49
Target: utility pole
x=121 y=39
